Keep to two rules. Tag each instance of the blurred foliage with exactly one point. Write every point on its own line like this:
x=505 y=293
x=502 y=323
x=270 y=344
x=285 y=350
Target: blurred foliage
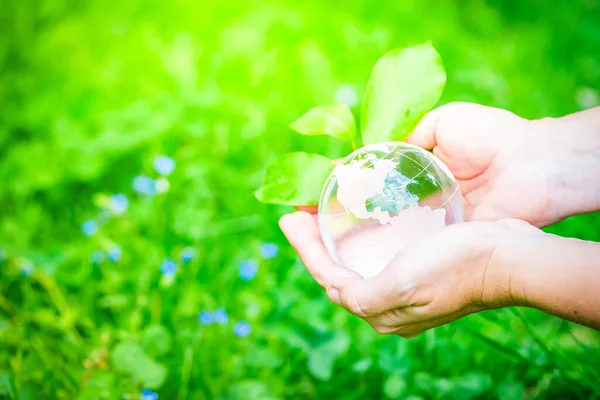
x=91 y=92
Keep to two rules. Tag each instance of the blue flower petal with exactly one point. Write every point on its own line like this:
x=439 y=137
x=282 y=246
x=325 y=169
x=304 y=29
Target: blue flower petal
x=248 y=270
x=114 y=254
x=242 y=329
x=143 y=184
x=187 y=255
x=164 y=165
x=221 y=316
x=206 y=318
x=118 y=203
x=269 y=250
x=168 y=267
x=148 y=395
x=89 y=227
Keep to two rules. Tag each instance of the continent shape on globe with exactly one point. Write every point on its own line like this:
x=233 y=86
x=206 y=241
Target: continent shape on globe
x=386 y=216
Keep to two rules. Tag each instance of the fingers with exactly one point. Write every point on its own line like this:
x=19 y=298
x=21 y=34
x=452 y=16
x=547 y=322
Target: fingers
x=302 y=231
x=411 y=321
x=308 y=209
x=412 y=330
x=406 y=322
x=424 y=133
x=369 y=297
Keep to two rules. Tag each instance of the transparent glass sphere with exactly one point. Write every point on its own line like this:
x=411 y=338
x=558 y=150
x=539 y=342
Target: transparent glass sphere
x=382 y=197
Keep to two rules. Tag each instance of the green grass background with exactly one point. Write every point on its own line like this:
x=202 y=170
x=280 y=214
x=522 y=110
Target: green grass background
x=92 y=91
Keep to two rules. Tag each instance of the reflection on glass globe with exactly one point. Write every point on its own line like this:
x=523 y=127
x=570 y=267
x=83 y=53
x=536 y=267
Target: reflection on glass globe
x=382 y=197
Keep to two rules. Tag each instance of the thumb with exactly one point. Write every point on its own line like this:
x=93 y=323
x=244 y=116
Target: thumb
x=424 y=133
x=367 y=297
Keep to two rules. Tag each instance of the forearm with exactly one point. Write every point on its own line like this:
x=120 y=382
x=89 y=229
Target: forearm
x=557 y=275
x=572 y=149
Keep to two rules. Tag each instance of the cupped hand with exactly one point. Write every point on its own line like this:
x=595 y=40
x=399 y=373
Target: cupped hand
x=499 y=160
x=430 y=282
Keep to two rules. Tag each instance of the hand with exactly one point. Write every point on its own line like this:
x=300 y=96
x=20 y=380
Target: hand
x=500 y=161
x=421 y=288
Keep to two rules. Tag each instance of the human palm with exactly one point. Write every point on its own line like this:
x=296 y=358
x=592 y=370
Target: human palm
x=496 y=157
x=420 y=289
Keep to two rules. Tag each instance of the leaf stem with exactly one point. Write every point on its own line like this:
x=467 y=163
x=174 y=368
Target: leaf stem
x=552 y=357
x=60 y=302
x=498 y=346
x=186 y=369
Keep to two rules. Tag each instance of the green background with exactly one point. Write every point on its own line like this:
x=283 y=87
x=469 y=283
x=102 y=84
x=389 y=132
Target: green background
x=92 y=91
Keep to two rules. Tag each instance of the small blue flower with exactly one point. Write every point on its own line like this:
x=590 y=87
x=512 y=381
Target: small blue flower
x=242 y=329
x=187 y=255
x=221 y=316
x=148 y=395
x=89 y=227
x=164 y=165
x=269 y=250
x=143 y=184
x=118 y=203
x=248 y=270
x=168 y=267
x=206 y=318
x=97 y=257
x=114 y=254
x=27 y=269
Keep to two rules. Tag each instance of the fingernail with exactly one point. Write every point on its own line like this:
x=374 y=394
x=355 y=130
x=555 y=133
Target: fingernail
x=334 y=295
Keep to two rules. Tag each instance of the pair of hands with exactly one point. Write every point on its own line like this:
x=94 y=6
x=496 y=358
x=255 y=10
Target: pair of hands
x=501 y=163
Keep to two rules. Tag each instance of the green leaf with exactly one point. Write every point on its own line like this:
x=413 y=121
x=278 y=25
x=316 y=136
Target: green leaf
x=295 y=179
x=472 y=384
x=131 y=359
x=118 y=301
x=250 y=390
x=5 y=386
x=322 y=358
x=510 y=390
x=263 y=357
x=151 y=374
x=101 y=385
x=423 y=381
x=404 y=85
x=127 y=357
x=320 y=364
x=394 y=358
x=156 y=340
x=394 y=387
x=338 y=344
x=334 y=120
x=292 y=338
x=362 y=365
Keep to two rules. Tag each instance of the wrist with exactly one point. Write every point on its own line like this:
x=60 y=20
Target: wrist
x=536 y=264
x=569 y=149
x=497 y=287
x=511 y=265
x=556 y=275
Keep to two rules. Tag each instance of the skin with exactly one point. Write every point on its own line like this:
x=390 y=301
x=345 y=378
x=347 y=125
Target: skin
x=510 y=167
x=515 y=175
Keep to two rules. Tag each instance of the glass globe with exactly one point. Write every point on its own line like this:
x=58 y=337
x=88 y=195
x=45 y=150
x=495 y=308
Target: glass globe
x=382 y=197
